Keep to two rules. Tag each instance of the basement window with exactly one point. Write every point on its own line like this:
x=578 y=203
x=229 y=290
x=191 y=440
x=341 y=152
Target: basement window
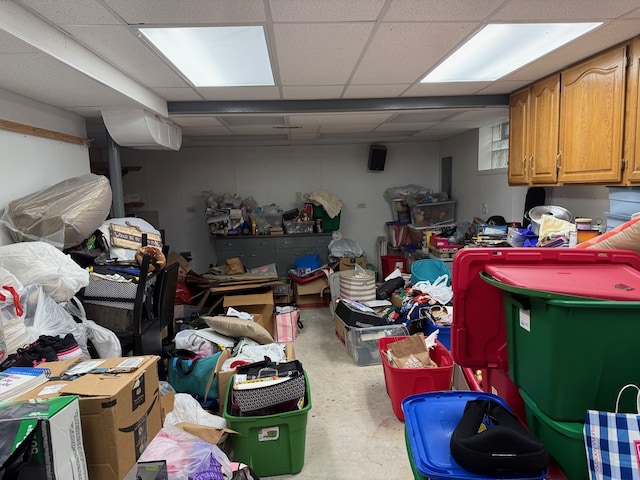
x=493 y=147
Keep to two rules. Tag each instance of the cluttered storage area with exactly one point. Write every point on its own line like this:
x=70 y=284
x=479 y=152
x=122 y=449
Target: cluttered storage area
x=120 y=361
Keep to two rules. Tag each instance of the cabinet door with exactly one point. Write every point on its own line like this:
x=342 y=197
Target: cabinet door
x=544 y=119
x=591 y=119
x=518 y=148
x=632 y=122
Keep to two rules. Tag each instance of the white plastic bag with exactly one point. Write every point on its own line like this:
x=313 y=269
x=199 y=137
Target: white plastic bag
x=189 y=340
x=188 y=409
x=438 y=290
x=64 y=214
x=43 y=316
x=41 y=263
x=343 y=247
x=12 y=312
x=104 y=340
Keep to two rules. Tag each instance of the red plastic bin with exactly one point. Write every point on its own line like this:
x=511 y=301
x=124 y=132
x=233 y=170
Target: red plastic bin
x=478 y=332
x=498 y=382
x=402 y=382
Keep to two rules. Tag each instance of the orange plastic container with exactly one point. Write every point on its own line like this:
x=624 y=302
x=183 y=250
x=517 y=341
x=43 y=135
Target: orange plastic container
x=402 y=382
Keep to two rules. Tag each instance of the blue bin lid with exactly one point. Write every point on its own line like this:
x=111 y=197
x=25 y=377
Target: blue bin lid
x=430 y=419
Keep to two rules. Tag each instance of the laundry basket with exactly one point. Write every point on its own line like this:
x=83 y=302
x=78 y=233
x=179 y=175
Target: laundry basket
x=428 y=270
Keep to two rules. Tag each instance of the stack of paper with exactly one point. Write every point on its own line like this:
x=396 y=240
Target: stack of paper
x=16 y=381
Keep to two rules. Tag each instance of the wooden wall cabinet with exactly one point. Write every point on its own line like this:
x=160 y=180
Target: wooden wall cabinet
x=569 y=128
x=592 y=108
x=632 y=119
x=533 y=133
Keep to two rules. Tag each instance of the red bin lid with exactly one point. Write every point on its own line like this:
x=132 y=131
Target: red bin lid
x=605 y=282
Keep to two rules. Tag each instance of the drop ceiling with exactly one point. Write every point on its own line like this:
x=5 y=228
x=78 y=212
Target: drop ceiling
x=346 y=71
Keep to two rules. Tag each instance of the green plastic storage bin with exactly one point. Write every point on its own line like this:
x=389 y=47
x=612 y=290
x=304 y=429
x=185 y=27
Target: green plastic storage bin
x=571 y=355
x=563 y=440
x=416 y=474
x=270 y=444
x=328 y=224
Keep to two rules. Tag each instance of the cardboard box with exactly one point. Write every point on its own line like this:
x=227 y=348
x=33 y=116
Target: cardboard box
x=312 y=293
x=120 y=413
x=255 y=303
x=225 y=377
x=349 y=263
x=57 y=442
x=167 y=398
x=184 y=311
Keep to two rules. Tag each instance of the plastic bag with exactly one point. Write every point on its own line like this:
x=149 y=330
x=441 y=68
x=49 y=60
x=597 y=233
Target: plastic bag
x=43 y=316
x=63 y=215
x=104 y=340
x=11 y=312
x=438 y=290
x=41 y=263
x=187 y=409
x=189 y=340
x=343 y=247
x=402 y=192
x=188 y=456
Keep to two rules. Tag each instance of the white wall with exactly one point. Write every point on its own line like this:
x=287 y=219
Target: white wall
x=173 y=182
x=471 y=189
x=29 y=163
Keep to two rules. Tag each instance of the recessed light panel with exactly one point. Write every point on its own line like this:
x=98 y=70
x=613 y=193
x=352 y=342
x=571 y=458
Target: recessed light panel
x=499 y=49
x=216 y=56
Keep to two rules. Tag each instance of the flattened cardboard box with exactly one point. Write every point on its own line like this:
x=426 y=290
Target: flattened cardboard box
x=224 y=377
x=260 y=303
x=120 y=413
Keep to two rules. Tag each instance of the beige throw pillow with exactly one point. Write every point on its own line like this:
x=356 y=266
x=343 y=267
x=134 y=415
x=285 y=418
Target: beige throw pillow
x=237 y=328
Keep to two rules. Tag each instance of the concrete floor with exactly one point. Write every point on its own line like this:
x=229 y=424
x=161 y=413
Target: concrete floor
x=352 y=432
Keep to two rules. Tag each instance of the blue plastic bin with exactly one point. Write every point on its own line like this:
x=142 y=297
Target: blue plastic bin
x=444 y=335
x=307 y=264
x=430 y=419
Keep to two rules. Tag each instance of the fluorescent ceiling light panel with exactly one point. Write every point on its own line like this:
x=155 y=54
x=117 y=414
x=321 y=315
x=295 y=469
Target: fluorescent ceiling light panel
x=499 y=49
x=216 y=56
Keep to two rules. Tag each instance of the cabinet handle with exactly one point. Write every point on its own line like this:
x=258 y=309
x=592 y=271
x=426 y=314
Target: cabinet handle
x=531 y=163
x=524 y=163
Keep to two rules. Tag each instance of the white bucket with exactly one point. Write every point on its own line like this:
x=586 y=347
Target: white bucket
x=356 y=286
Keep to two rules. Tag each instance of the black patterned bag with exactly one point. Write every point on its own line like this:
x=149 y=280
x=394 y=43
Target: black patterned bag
x=261 y=385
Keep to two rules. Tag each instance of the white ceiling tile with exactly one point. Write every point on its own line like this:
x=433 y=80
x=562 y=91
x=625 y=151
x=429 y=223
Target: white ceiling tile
x=489 y=114
x=11 y=44
x=68 y=12
x=503 y=86
x=557 y=11
x=325 y=10
x=199 y=12
x=633 y=14
x=439 y=10
x=375 y=91
x=339 y=119
x=319 y=54
x=311 y=92
x=196 y=120
x=444 y=89
x=433 y=115
x=201 y=131
x=258 y=130
x=239 y=93
x=302 y=136
x=119 y=46
x=173 y=94
x=391 y=127
x=361 y=127
x=404 y=52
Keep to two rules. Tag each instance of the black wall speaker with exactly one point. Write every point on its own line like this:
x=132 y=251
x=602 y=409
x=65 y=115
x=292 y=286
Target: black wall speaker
x=377 y=156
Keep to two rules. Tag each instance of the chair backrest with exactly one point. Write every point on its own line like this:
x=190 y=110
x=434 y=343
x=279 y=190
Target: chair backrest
x=165 y=294
x=428 y=270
